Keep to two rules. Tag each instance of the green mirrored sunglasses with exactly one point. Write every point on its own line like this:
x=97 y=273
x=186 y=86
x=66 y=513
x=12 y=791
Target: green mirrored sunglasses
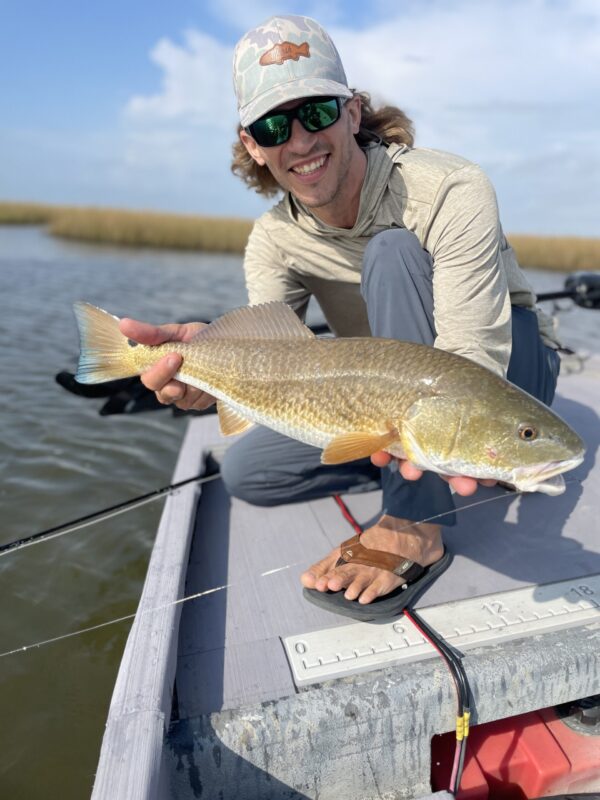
x=314 y=115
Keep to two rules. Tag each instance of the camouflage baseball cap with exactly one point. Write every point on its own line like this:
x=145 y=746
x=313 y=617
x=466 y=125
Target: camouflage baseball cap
x=285 y=58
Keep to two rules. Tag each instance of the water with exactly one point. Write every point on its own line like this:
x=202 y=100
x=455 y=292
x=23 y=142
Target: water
x=59 y=460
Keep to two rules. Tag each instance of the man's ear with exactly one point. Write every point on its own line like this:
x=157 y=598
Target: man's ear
x=355 y=111
x=252 y=147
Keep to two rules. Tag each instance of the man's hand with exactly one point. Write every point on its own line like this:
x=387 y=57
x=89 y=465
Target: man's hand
x=460 y=483
x=159 y=378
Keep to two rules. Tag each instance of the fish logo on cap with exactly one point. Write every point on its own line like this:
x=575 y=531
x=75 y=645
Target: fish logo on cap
x=284 y=52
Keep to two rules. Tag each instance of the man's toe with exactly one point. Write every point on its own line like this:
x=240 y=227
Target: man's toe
x=383 y=584
x=356 y=587
x=313 y=575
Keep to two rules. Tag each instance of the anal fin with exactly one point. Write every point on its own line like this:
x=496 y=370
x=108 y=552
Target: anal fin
x=230 y=420
x=350 y=446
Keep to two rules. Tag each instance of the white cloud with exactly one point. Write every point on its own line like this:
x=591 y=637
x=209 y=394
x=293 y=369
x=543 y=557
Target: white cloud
x=196 y=86
x=483 y=54
x=511 y=84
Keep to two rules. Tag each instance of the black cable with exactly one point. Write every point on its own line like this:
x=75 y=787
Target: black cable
x=454 y=662
x=452 y=659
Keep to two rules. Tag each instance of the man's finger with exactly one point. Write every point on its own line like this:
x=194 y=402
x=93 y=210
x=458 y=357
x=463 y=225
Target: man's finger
x=381 y=459
x=161 y=374
x=144 y=333
x=463 y=485
x=409 y=472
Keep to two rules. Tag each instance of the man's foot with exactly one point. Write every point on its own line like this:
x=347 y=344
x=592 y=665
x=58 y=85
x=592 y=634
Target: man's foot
x=419 y=542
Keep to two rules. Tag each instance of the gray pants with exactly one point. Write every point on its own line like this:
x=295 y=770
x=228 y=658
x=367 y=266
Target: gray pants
x=266 y=468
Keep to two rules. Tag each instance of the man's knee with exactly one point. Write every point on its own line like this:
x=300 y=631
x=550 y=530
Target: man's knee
x=391 y=255
x=397 y=287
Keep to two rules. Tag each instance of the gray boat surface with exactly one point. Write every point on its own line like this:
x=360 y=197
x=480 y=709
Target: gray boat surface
x=206 y=705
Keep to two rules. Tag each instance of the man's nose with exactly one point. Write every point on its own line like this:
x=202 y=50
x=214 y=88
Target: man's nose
x=301 y=140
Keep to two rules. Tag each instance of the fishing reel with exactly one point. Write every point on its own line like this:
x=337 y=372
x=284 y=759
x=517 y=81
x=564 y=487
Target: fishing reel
x=583 y=288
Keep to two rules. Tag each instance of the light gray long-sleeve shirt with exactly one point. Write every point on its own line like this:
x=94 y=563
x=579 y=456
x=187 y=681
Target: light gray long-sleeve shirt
x=450 y=205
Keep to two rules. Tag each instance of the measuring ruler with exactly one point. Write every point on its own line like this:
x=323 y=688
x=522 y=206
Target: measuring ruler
x=360 y=647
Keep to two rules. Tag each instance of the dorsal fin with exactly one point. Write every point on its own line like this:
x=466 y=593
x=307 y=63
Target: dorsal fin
x=266 y=321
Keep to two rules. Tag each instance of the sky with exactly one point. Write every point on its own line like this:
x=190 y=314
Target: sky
x=129 y=103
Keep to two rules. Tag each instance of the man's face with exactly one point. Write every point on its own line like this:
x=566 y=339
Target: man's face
x=317 y=168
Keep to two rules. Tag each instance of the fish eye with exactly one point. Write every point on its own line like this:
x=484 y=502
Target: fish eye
x=131 y=343
x=527 y=432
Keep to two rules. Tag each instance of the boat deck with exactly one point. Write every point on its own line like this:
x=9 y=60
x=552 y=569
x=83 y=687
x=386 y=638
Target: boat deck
x=242 y=726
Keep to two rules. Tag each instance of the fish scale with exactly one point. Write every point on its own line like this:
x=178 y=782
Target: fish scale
x=307 y=372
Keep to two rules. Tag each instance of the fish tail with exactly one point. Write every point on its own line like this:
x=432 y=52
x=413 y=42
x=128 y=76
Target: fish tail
x=105 y=353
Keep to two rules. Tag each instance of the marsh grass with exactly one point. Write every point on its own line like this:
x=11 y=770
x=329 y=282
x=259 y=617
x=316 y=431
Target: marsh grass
x=565 y=253
x=133 y=228
x=25 y=213
x=229 y=235
x=150 y=229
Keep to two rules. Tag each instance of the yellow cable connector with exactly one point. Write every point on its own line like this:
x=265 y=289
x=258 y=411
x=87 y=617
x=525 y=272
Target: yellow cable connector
x=466 y=718
x=460 y=728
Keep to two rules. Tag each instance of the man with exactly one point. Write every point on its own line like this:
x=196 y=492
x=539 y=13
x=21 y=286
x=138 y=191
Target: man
x=392 y=241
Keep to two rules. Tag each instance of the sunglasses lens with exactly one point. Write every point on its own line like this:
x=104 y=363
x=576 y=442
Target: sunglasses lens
x=270 y=131
x=315 y=115
x=318 y=115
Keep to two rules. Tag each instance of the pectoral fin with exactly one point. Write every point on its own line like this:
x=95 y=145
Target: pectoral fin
x=230 y=420
x=350 y=446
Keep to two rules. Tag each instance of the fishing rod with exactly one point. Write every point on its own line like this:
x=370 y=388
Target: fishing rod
x=581 y=287
x=128 y=505
x=104 y=513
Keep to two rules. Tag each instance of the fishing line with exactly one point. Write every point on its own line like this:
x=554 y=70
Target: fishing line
x=136 y=502
x=100 y=516
x=206 y=479
x=508 y=493
x=339 y=501
x=139 y=613
x=114 y=621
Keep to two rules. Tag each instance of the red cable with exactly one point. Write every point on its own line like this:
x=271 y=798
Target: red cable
x=349 y=517
x=347 y=514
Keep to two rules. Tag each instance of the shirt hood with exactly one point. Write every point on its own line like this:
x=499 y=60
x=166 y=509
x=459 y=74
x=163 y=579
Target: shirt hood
x=380 y=162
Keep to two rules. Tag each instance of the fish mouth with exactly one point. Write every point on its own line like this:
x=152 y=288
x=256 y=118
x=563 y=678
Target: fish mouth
x=546 y=478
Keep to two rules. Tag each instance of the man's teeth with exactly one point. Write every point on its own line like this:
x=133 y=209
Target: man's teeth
x=313 y=166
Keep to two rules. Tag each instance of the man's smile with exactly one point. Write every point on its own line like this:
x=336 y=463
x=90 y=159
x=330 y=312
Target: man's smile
x=310 y=168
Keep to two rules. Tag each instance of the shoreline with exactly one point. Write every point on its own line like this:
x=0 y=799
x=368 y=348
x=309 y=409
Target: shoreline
x=163 y=230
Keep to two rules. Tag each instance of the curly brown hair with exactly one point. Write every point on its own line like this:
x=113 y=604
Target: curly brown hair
x=387 y=123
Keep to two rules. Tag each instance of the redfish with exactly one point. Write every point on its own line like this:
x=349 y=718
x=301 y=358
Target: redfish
x=352 y=396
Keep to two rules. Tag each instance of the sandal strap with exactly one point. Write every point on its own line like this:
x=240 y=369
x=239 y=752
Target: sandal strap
x=353 y=552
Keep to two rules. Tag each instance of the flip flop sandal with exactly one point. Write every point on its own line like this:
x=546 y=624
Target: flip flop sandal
x=415 y=577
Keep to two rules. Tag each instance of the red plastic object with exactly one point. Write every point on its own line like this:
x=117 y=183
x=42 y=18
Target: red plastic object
x=528 y=756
